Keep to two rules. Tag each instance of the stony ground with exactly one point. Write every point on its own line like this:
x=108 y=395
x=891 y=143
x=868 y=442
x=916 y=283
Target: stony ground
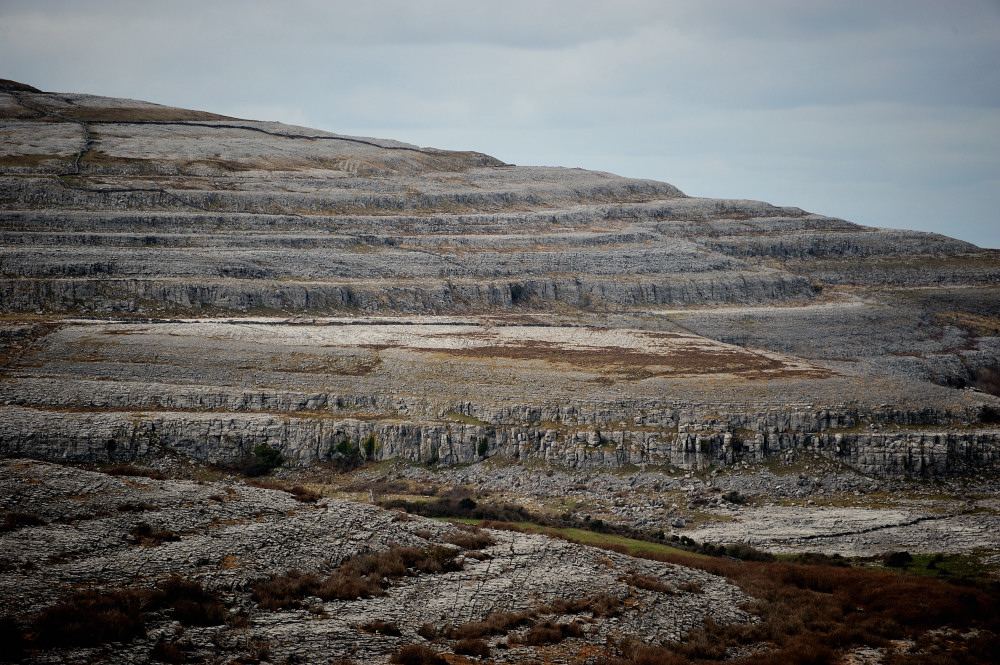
x=229 y=536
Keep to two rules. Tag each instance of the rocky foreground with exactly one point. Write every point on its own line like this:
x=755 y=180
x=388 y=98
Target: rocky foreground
x=84 y=530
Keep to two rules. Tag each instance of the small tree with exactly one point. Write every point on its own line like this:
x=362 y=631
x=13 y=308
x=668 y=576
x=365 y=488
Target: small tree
x=265 y=458
x=347 y=455
x=484 y=447
x=369 y=446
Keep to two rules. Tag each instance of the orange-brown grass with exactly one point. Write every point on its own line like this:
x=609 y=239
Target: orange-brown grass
x=417 y=654
x=813 y=613
x=302 y=494
x=470 y=539
x=379 y=627
x=361 y=576
x=139 y=114
x=648 y=582
x=637 y=364
x=477 y=648
x=548 y=632
x=90 y=618
x=499 y=623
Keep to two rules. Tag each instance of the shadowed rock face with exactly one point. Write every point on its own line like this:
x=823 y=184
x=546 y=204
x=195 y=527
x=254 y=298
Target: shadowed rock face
x=178 y=278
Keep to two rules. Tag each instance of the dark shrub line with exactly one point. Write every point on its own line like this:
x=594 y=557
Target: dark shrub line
x=147 y=535
x=126 y=469
x=91 y=618
x=14 y=520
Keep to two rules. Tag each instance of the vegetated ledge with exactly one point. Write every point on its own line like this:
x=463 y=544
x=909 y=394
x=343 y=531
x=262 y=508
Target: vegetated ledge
x=60 y=434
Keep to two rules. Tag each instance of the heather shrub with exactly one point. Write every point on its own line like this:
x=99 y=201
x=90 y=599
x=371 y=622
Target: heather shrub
x=472 y=647
x=90 y=618
x=417 y=654
x=379 y=627
x=192 y=604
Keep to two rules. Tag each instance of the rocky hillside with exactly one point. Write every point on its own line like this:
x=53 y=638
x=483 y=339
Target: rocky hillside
x=210 y=284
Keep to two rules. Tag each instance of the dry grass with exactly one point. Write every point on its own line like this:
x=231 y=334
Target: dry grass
x=301 y=493
x=477 y=648
x=648 y=582
x=15 y=519
x=470 y=538
x=814 y=613
x=379 y=627
x=134 y=471
x=147 y=535
x=417 y=654
x=91 y=618
x=361 y=576
x=139 y=114
x=636 y=364
x=548 y=632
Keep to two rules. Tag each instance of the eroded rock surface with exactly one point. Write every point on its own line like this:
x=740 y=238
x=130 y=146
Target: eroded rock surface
x=230 y=536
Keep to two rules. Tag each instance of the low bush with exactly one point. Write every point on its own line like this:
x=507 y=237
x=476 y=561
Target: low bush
x=496 y=623
x=648 y=582
x=470 y=539
x=361 y=576
x=897 y=559
x=548 y=632
x=301 y=494
x=90 y=618
x=147 y=535
x=191 y=603
x=379 y=627
x=15 y=520
x=472 y=647
x=417 y=654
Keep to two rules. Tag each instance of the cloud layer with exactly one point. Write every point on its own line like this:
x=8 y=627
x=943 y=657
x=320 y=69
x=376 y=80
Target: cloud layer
x=884 y=113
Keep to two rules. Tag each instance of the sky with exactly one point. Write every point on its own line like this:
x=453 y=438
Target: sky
x=882 y=112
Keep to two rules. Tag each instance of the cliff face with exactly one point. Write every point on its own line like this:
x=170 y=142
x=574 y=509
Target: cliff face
x=457 y=307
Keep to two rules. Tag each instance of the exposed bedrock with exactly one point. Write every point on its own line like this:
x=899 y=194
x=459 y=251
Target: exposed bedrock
x=696 y=444
x=241 y=295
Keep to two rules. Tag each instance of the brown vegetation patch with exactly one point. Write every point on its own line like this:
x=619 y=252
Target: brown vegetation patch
x=470 y=539
x=548 y=632
x=815 y=613
x=139 y=114
x=301 y=493
x=14 y=520
x=134 y=472
x=477 y=648
x=379 y=627
x=147 y=535
x=648 y=582
x=361 y=576
x=91 y=618
x=417 y=654
x=638 y=364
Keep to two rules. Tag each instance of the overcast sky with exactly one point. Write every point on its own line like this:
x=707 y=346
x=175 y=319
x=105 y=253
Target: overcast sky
x=883 y=113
